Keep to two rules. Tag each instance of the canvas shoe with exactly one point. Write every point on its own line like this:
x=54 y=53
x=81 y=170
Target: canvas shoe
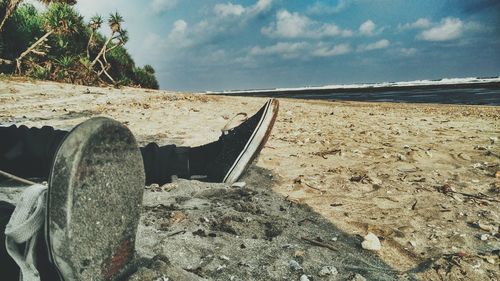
x=94 y=201
x=241 y=144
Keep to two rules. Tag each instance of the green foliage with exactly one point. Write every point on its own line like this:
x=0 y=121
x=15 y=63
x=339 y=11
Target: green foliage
x=39 y=72
x=145 y=78
x=63 y=56
x=149 y=69
x=22 y=30
x=62 y=19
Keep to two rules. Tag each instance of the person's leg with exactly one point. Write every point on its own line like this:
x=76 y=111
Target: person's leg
x=91 y=216
x=29 y=152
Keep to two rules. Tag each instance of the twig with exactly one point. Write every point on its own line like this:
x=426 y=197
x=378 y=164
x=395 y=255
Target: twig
x=16 y=178
x=313 y=187
x=175 y=233
x=480 y=197
x=320 y=244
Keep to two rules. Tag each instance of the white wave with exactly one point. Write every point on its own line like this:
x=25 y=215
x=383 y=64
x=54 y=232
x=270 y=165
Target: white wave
x=444 y=81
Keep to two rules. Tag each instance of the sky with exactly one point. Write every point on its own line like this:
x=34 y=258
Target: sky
x=200 y=45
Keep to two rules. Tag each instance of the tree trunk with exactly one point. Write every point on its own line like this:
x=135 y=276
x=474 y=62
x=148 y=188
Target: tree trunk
x=9 y=10
x=88 y=44
x=103 y=49
x=31 y=48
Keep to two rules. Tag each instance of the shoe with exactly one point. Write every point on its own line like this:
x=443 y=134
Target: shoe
x=94 y=201
x=241 y=144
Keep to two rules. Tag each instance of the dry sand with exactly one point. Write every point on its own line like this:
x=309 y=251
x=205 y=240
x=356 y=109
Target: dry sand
x=424 y=178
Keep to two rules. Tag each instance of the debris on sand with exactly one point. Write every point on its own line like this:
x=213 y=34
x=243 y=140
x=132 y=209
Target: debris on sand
x=371 y=242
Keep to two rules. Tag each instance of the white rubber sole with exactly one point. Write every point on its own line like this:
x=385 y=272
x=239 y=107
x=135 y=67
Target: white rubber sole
x=255 y=143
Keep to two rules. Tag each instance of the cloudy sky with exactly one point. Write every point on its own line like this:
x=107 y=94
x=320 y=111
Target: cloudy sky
x=246 y=44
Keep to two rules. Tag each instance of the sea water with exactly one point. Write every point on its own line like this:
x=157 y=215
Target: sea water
x=479 y=91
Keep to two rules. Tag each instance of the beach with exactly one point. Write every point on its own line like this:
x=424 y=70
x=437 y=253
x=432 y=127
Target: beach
x=424 y=178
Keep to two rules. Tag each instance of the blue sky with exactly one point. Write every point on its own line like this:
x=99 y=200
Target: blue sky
x=223 y=45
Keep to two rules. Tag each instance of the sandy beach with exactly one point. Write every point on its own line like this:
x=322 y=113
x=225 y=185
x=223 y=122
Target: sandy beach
x=424 y=178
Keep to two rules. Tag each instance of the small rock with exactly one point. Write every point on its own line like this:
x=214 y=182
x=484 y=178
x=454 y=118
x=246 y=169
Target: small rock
x=484 y=237
x=464 y=156
x=295 y=265
x=371 y=242
x=299 y=253
x=239 y=184
x=486 y=227
x=304 y=278
x=493 y=140
x=335 y=238
x=328 y=270
x=490 y=259
x=358 y=277
x=497 y=174
x=220 y=268
x=429 y=153
x=224 y=258
x=401 y=157
x=413 y=244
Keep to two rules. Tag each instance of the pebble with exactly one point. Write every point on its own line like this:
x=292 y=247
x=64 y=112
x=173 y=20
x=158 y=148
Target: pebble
x=358 y=277
x=401 y=157
x=299 y=253
x=295 y=265
x=304 y=278
x=328 y=270
x=486 y=227
x=484 y=237
x=371 y=242
x=464 y=156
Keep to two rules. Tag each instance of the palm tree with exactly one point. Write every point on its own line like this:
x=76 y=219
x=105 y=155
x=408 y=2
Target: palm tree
x=9 y=10
x=59 y=19
x=115 y=20
x=94 y=25
x=12 y=5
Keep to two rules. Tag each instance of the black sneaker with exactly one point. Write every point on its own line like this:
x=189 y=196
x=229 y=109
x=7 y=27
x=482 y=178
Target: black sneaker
x=242 y=144
x=94 y=201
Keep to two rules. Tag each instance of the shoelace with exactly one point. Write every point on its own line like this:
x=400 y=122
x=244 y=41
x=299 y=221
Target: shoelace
x=229 y=124
x=23 y=229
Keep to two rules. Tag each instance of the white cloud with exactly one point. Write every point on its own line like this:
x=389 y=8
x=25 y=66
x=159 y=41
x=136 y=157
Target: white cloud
x=418 y=24
x=407 y=51
x=283 y=49
x=289 y=25
x=326 y=51
x=178 y=34
x=381 y=44
x=448 y=29
x=367 y=28
x=261 y=6
x=295 y=25
x=229 y=9
x=320 y=8
x=160 y=6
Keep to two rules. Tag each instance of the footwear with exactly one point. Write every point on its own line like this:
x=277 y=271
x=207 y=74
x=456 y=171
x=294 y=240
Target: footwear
x=240 y=145
x=93 y=201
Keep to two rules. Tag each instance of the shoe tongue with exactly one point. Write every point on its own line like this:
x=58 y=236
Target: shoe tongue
x=234 y=122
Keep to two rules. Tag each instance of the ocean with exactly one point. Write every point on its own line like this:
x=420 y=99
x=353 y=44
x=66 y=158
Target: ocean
x=474 y=91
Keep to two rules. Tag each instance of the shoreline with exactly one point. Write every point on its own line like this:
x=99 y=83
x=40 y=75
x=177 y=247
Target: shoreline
x=363 y=166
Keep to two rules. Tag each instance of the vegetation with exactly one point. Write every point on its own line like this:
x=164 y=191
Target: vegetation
x=57 y=44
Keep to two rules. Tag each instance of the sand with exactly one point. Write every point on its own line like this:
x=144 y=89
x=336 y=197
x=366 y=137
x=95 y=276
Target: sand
x=423 y=178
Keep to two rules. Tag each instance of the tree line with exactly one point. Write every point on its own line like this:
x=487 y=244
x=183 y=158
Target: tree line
x=57 y=44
